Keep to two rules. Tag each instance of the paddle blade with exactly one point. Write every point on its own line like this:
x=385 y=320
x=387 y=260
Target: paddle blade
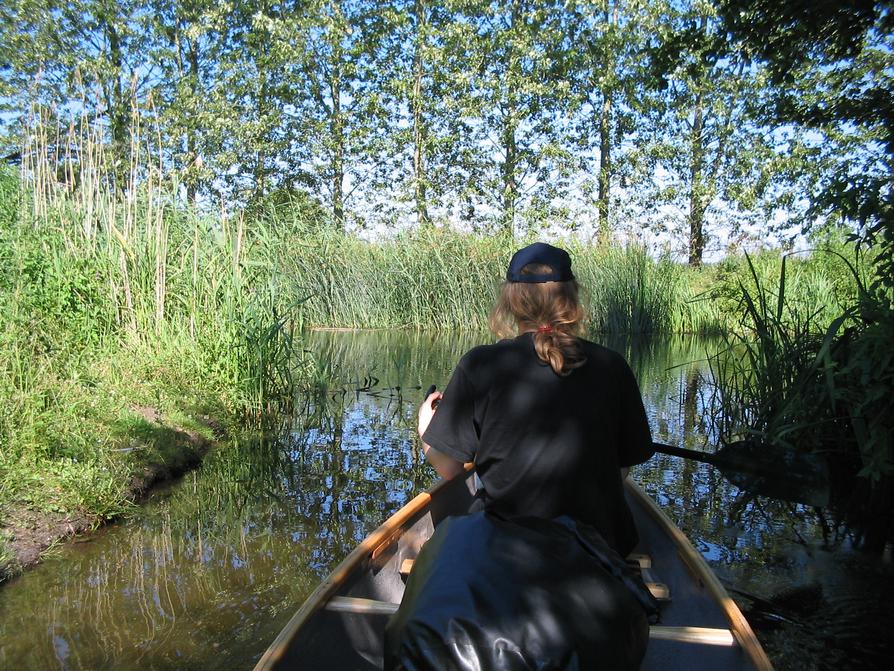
x=781 y=474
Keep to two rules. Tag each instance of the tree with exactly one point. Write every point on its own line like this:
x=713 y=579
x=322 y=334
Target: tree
x=422 y=14
x=832 y=65
x=430 y=158
x=700 y=153
x=249 y=99
x=85 y=56
x=606 y=42
x=339 y=113
x=517 y=95
x=192 y=35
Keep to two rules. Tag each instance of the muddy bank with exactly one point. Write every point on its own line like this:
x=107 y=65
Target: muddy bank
x=26 y=533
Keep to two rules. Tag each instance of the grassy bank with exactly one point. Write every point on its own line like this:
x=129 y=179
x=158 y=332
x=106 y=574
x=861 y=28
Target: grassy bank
x=130 y=332
x=445 y=280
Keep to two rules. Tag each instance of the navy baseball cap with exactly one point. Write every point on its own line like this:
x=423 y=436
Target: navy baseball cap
x=543 y=254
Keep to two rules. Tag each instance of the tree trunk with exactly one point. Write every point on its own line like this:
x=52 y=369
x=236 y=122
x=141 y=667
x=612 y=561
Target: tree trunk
x=509 y=168
x=605 y=166
x=420 y=132
x=605 y=139
x=509 y=178
x=336 y=129
x=117 y=109
x=697 y=196
x=259 y=176
x=192 y=155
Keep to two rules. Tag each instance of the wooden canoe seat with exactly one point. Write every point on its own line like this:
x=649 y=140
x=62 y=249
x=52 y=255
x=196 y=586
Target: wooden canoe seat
x=697 y=635
x=643 y=563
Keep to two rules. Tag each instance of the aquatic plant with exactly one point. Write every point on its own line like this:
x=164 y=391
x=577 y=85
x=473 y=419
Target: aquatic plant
x=790 y=377
x=116 y=298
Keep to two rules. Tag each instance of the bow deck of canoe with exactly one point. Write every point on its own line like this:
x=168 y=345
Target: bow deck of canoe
x=341 y=625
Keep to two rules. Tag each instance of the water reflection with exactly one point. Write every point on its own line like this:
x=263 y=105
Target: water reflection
x=207 y=574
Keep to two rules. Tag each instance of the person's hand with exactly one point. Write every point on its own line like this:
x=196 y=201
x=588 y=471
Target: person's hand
x=427 y=411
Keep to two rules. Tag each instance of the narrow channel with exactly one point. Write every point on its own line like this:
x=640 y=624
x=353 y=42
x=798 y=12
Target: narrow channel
x=206 y=574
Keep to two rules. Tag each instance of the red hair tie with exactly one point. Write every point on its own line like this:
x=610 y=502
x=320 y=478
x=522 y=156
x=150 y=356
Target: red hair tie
x=546 y=328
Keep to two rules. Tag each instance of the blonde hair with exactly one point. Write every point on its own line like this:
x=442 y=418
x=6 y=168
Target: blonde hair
x=526 y=306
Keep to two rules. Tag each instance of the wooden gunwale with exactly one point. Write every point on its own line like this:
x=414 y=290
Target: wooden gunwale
x=389 y=531
x=739 y=626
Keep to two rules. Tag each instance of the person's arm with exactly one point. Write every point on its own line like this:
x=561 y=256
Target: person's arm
x=445 y=466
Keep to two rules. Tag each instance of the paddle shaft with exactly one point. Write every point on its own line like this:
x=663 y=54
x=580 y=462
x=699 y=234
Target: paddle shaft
x=675 y=451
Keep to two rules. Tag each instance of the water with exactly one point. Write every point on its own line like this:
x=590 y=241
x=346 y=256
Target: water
x=206 y=574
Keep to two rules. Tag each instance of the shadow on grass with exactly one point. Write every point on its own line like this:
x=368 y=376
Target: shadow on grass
x=151 y=448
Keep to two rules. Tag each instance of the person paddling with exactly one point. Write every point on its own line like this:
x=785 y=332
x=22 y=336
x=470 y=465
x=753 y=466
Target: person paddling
x=536 y=578
x=549 y=418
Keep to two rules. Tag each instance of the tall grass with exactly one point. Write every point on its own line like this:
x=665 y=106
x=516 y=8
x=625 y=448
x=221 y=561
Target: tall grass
x=151 y=268
x=790 y=376
x=433 y=279
x=445 y=280
x=629 y=292
x=770 y=373
x=113 y=296
x=439 y=279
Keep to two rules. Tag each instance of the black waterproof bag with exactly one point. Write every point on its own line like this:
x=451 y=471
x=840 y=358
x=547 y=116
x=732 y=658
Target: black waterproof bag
x=490 y=594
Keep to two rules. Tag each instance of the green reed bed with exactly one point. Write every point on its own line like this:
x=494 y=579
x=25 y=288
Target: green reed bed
x=628 y=291
x=811 y=369
x=439 y=279
x=116 y=305
x=775 y=376
x=436 y=279
x=446 y=280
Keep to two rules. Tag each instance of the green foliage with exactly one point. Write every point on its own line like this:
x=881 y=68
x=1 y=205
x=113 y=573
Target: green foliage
x=9 y=198
x=438 y=279
x=61 y=302
x=864 y=389
x=474 y=113
x=629 y=292
x=831 y=70
x=791 y=377
x=769 y=370
x=832 y=73
x=116 y=300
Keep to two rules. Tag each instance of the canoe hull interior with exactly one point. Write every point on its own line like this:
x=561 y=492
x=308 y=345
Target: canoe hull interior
x=317 y=638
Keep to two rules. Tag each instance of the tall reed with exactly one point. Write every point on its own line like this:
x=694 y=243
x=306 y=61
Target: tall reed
x=792 y=377
x=629 y=292
x=165 y=268
x=113 y=295
x=445 y=280
x=769 y=375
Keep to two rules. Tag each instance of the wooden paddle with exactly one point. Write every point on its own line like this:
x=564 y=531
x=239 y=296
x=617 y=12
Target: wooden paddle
x=764 y=470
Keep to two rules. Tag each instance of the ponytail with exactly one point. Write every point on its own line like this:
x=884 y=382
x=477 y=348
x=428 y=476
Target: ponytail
x=559 y=350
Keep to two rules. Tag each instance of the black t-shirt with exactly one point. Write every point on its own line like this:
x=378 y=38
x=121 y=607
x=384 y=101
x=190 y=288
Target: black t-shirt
x=546 y=445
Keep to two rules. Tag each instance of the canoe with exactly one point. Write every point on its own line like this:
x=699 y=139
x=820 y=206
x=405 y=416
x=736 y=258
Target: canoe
x=341 y=625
